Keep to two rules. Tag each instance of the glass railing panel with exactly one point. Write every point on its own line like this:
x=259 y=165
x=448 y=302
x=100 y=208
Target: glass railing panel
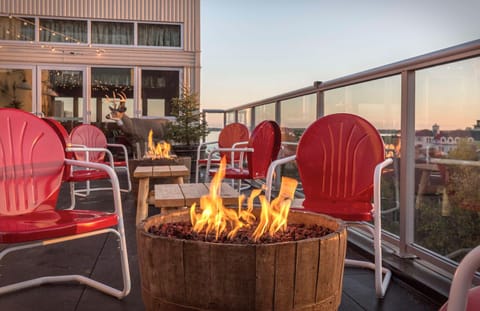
x=379 y=102
x=230 y=117
x=264 y=112
x=245 y=117
x=215 y=125
x=296 y=114
x=447 y=174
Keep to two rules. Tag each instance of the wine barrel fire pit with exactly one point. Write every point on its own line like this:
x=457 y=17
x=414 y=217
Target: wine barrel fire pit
x=181 y=274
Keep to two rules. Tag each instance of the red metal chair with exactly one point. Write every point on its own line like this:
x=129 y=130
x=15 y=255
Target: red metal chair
x=340 y=159
x=32 y=162
x=69 y=174
x=90 y=136
x=231 y=136
x=462 y=297
x=262 y=148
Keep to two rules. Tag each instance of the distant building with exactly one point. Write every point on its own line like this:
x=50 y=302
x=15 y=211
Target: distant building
x=444 y=141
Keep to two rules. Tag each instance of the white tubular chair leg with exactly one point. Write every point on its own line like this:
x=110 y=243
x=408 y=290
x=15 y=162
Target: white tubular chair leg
x=382 y=275
x=126 y=168
x=199 y=151
x=380 y=286
x=197 y=166
x=72 y=195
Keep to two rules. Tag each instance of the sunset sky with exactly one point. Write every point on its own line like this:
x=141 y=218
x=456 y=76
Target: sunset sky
x=254 y=49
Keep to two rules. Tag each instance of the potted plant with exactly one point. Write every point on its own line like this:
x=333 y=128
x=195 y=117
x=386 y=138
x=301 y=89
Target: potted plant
x=189 y=127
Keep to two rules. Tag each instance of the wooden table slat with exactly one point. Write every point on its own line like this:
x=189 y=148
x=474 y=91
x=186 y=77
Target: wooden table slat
x=161 y=171
x=193 y=192
x=169 y=195
x=143 y=171
x=179 y=170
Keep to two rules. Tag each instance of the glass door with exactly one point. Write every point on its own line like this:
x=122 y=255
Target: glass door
x=61 y=94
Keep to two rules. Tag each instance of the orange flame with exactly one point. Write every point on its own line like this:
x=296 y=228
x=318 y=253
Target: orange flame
x=159 y=151
x=215 y=217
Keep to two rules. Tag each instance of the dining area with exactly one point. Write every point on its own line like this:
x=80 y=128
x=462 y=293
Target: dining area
x=95 y=255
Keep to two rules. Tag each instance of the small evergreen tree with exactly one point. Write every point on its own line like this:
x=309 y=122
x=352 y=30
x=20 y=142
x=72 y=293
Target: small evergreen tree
x=189 y=126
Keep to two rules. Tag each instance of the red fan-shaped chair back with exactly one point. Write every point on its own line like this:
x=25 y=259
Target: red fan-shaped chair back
x=336 y=158
x=265 y=141
x=31 y=162
x=231 y=134
x=90 y=136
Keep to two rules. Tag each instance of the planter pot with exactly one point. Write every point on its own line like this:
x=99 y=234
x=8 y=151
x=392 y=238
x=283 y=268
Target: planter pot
x=193 y=275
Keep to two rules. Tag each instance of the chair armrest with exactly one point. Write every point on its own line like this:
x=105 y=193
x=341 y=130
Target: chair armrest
x=113 y=178
x=240 y=143
x=88 y=149
x=271 y=170
x=76 y=146
x=124 y=149
x=236 y=146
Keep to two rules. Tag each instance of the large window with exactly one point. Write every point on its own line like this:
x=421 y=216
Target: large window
x=58 y=30
x=101 y=32
x=107 y=83
x=17 y=28
x=62 y=96
x=159 y=87
x=16 y=88
x=159 y=35
x=112 y=33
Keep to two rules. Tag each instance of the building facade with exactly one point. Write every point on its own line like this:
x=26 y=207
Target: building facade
x=64 y=58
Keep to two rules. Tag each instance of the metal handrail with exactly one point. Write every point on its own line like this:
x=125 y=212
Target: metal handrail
x=451 y=54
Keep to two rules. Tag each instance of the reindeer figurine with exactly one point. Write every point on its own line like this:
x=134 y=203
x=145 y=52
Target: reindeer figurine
x=137 y=129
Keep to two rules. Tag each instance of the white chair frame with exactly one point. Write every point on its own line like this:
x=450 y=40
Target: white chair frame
x=232 y=150
x=199 y=151
x=86 y=191
x=119 y=232
x=462 y=281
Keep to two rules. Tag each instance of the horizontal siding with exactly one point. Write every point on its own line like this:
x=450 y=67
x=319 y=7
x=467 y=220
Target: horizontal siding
x=178 y=11
x=87 y=56
x=146 y=10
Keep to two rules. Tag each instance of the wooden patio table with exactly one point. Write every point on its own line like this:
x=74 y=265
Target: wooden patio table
x=184 y=195
x=144 y=173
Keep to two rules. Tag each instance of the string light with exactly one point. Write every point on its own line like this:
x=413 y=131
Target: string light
x=54 y=33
